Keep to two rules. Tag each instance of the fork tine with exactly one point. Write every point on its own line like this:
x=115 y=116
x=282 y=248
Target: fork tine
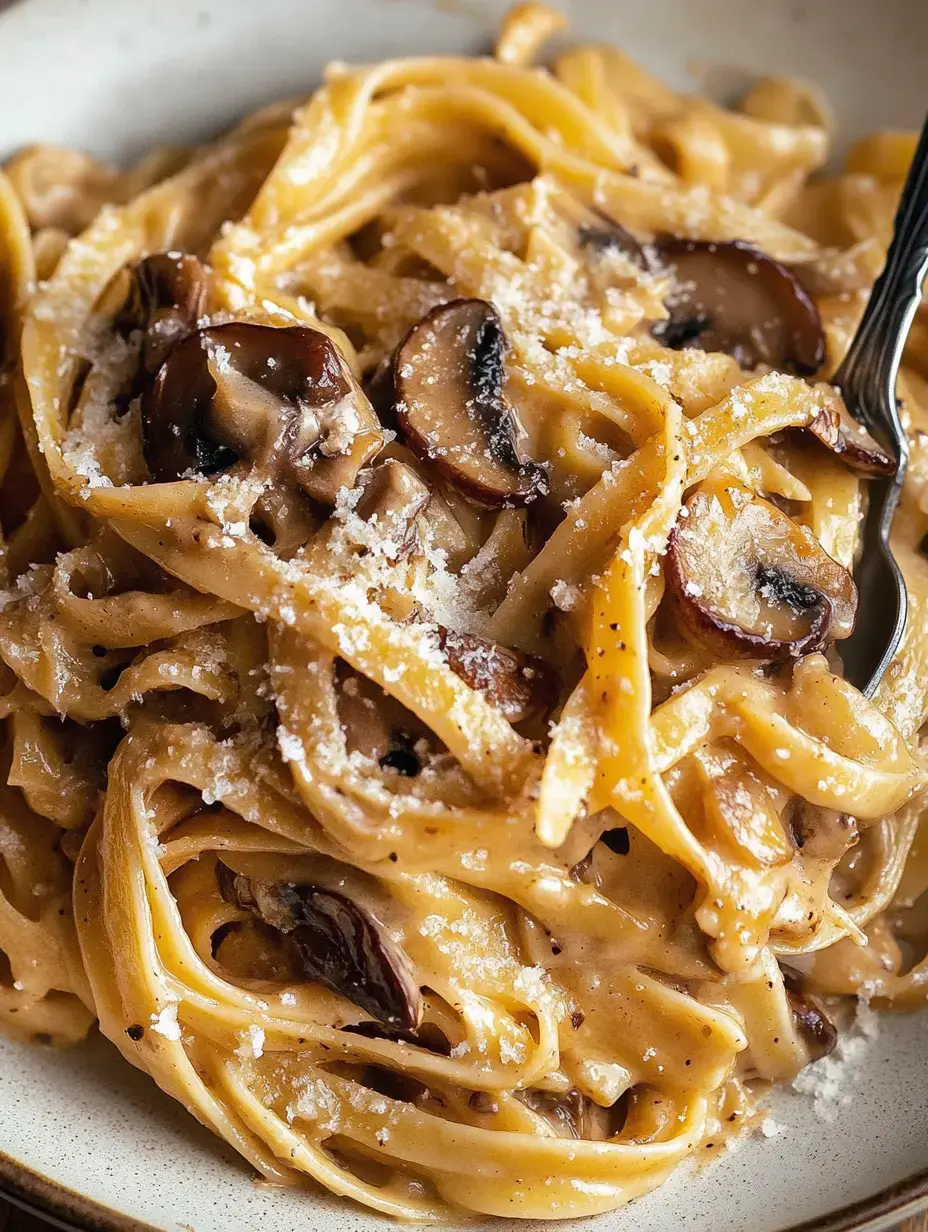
x=867 y=380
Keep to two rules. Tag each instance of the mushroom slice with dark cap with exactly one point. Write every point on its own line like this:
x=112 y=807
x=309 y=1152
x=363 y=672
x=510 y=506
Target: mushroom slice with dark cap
x=605 y=236
x=819 y=833
x=392 y=497
x=380 y=391
x=520 y=685
x=336 y=942
x=429 y=1035
x=750 y=581
x=732 y=297
x=591 y=234
x=599 y=235
x=280 y=398
x=177 y=440
x=840 y=433
x=449 y=374
x=159 y=298
x=818 y=1032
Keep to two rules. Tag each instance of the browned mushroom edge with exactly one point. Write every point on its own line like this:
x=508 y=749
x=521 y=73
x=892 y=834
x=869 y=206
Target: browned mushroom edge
x=380 y=390
x=748 y=580
x=519 y=685
x=843 y=436
x=819 y=1033
x=819 y=833
x=280 y=398
x=392 y=497
x=157 y=300
x=617 y=840
x=336 y=943
x=732 y=297
x=428 y=1035
x=572 y=1114
x=605 y=235
x=401 y=757
x=449 y=373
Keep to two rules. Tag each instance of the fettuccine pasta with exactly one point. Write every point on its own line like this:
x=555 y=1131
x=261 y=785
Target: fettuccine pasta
x=428 y=535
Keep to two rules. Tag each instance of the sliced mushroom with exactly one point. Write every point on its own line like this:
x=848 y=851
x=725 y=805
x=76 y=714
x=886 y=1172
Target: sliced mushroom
x=819 y=1033
x=819 y=833
x=748 y=580
x=574 y=1115
x=282 y=399
x=617 y=840
x=564 y=1113
x=151 y=305
x=452 y=409
x=337 y=943
x=392 y=498
x=732 y=297
x=401 y=757
x=381 y=392
x=429 y=1035
x=605 y=235
x=160 y=297
x=178 y=440
x=520 y=685
x=589 y=233
x=850 y=441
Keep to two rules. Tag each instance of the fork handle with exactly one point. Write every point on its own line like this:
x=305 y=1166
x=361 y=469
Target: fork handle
x=867 y=376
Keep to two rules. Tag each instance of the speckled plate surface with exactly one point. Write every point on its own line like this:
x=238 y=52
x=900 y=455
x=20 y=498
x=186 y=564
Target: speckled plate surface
x=84 y=1136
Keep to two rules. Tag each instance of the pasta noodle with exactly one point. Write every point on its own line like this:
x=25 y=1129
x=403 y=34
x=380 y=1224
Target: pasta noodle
x=426 y=532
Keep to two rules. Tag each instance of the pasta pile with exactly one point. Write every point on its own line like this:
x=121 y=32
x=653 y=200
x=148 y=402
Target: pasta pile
x=427 y=538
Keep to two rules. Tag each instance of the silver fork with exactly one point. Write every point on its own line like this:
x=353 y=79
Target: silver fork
x=867 y=380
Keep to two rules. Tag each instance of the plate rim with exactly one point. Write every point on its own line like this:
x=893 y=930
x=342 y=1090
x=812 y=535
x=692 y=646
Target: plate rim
x=72 y=1211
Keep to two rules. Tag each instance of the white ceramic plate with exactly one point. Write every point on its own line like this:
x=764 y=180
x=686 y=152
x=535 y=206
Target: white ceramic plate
x=82 y=1134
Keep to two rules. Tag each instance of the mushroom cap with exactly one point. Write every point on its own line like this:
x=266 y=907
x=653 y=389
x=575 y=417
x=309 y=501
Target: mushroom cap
x=818 y=1032
x=280 y=398
x=843 y=436
x=820 y=833
x=176 y=442
x=449 y=375
x=601 y=234
x=732 y=297
x=337 y=942
x=392 y=497
x=519 y=685
x=748 y=580
x=159 y=298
